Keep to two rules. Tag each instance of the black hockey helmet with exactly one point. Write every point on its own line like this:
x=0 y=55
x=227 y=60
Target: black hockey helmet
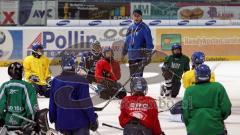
x=96 y=48
x=15 y=71
x=108 y=53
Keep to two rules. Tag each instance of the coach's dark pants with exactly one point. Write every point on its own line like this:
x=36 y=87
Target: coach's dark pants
x=136 y=69
x=176 y=85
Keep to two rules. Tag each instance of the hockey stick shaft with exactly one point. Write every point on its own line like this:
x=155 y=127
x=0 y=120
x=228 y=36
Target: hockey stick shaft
x=100 y=109
x=111 y=126
x=26 y=119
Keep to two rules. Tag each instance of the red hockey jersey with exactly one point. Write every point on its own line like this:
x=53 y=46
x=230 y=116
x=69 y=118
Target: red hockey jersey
x=143 y=108
x=111 y=69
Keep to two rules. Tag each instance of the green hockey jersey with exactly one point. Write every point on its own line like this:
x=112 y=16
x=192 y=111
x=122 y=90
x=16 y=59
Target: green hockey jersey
x=17 y=97
x=205 y=107
x=177 y=65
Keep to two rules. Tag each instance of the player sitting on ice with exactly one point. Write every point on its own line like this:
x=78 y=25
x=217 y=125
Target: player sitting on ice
x=18 y=97
x=36 y=68
x=205 y=105
x=107 y=73
x=139 y=113
x=89 y=59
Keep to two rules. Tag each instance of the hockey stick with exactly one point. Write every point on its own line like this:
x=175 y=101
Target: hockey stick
x=141 y=64
x=111 y=126
x=23 y=118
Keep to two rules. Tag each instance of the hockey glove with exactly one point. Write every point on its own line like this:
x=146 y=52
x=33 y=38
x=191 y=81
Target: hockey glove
x=2 y=122
x=94 y=125
x=34 y=78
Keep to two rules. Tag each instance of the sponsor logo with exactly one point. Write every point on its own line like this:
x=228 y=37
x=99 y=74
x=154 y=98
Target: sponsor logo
x=63 y=22
x=8 y=17
x=126 y=22
x=12 y=91
x=211 y=22
x=94 y=23
x=155 y=22
x=184 y=22
x=2 y=37
x=54 y=42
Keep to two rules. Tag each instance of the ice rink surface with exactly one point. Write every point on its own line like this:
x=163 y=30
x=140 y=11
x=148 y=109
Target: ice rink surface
x=226 y=72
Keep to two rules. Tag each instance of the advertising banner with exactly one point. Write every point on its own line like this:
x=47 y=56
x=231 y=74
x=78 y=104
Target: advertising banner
x=222 y=43
x=8 y=12
x=36 y=12
x=97 y=10
x=218 y=43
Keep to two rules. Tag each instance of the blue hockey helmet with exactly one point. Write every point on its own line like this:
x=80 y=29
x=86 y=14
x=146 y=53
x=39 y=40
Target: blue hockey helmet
x=69 y=62
x=198 y=58
x=37 y=50
x=139 y=84
x=202 y=73
x=176 y=46
x=36 y=47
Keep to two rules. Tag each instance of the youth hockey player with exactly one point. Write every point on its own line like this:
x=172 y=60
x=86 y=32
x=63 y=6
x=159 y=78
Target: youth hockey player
x=36 y=69
x=68 y=119
x=177 y=64
x=205 y=117
x=17 y=97
x=139 y=113
x=189 y=77
x=89 y=60
x=107 y=73
x=138 y=44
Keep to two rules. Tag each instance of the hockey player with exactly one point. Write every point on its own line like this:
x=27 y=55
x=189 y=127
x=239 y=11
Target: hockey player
x=71 y=120
x=36 y=68
x=205 y=105
x=189 y=78
x=177 y=64
x=107 y=73
x=139 y=113
x=17 y=97
x=89 y=60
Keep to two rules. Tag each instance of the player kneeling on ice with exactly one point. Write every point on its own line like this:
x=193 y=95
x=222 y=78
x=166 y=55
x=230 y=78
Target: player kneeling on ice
x=177 y=64
x=89 y=59
x=18 y=104
x=205 y=105
x=107 y=73
x=70 y=106
x=36 y=68
x=139 y=113
x=189 y=79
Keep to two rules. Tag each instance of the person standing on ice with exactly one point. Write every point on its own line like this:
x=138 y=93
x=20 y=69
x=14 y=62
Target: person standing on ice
x=176 y=64
x=36 y=69
x=205 y=105
x=139 y=113
x=89 y=60
x=138 y=45
x=107 y=73
x=70 y=106
x=17 y=97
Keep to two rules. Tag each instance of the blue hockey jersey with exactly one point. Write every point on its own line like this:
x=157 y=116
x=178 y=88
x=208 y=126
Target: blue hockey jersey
x=64 y=110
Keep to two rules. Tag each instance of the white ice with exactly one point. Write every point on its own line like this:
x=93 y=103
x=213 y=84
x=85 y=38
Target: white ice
x=227 y=73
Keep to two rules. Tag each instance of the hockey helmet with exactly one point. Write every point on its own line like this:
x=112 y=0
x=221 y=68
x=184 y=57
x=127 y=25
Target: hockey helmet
x=15 y=71
x=68 y=62
x=202 y=73
x=96 y=48
x=139 y=84
x=198 y=58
